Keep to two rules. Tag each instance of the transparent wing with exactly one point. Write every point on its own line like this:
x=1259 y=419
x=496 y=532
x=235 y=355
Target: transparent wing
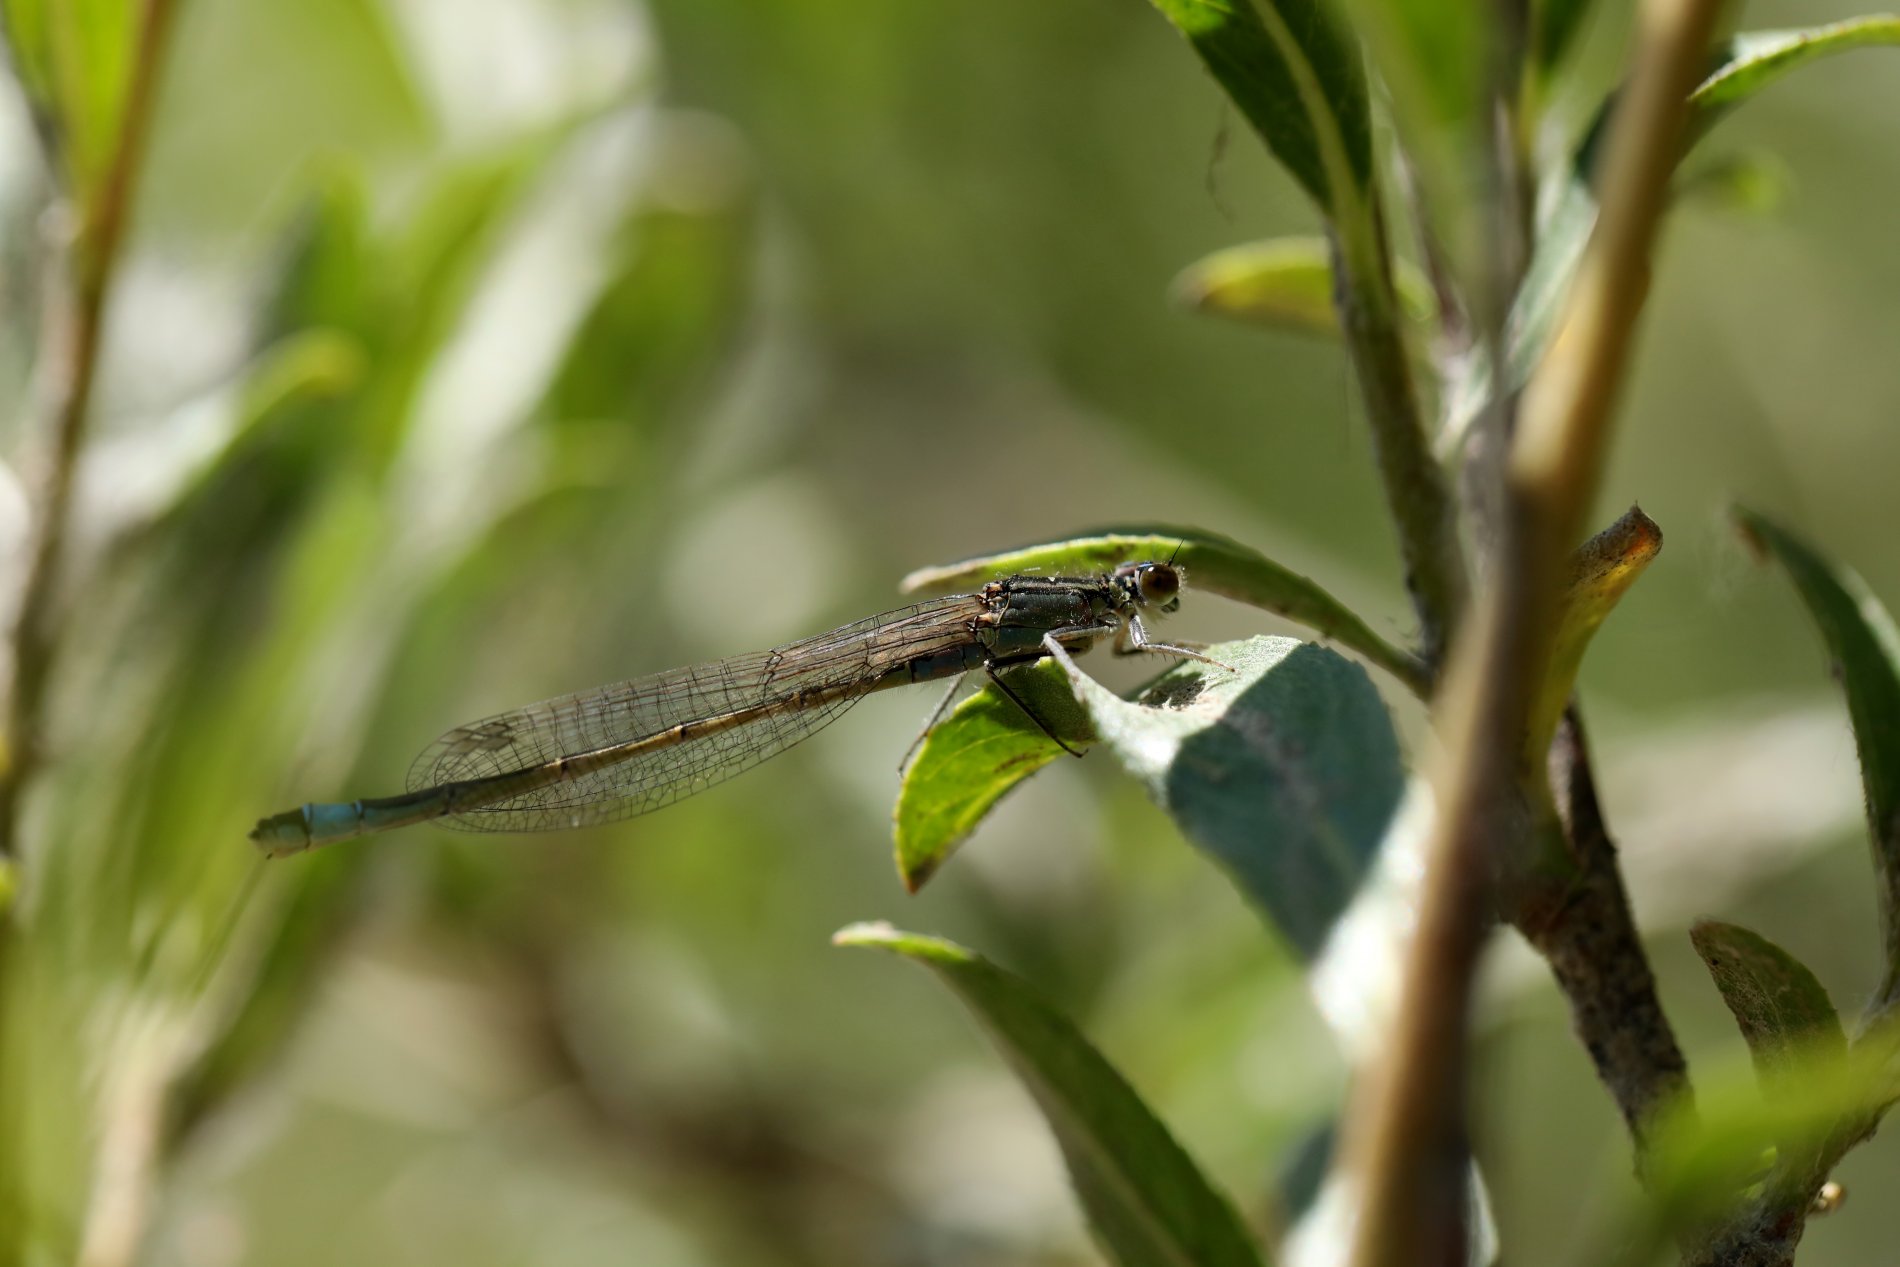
x=847 y=662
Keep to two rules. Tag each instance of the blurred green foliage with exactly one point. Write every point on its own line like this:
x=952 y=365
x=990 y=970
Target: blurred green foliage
x=475 y=350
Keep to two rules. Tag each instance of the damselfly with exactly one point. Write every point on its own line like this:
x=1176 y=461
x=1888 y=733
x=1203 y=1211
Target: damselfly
x=623 y=750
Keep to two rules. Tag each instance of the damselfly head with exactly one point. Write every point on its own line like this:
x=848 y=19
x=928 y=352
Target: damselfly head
x=1156 y=585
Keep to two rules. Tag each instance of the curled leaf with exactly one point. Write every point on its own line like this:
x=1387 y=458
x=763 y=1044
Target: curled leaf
x=1601 y=572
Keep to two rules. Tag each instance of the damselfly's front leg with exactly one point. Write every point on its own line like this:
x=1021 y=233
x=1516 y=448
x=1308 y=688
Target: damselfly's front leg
x=1133 y=639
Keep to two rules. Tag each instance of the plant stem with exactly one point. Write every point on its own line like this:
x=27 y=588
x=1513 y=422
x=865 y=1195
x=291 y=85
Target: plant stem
x=1594 y=951
x=1405 y=1141
x=75 y=326
x=1416 y=490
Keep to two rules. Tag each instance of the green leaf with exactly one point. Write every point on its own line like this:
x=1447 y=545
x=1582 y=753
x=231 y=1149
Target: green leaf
x=1285 y=769
x=1211 y=562
x=1601 y=572
x=1283 y=284
x=1865 y=649
x=1434 y=57
x=973 y=757
x=75 y=58
x=1746 y=64
x=1554 y=26
x=1296 y=78
x=1147 y=1202
x=1784 y=1013
x=1754 y=59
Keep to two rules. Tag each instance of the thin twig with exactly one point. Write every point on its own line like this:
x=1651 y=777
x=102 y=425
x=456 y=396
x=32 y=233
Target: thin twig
x=76 y=324
x=1595 y=953
x=1416 y=491
x=1405 y=1134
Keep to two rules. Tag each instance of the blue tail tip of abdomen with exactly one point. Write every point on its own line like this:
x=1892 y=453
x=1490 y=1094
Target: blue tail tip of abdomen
x=282 y=834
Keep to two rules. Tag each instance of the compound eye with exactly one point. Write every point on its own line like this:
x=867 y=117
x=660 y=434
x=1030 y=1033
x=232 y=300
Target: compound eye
x=1159 y=586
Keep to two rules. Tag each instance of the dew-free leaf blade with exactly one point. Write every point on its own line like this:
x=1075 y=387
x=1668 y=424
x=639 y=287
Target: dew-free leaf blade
x=1752 y=60
x=1296 y=79
x=1436 y=62
x=1147 y=1202
x=976 y=755
x=75 y=59
x=1211 y=562
x=1784 y=1013
x=1554 y=25
x=1285 y=769
x=1864 y=646
x=1283 y=284
x=1601 y=572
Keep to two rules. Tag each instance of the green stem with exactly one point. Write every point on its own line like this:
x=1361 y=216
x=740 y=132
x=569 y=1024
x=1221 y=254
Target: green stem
x=75 y=322
x=1416 y=491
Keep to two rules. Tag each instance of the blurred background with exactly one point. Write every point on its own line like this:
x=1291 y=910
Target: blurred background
x=475 y=351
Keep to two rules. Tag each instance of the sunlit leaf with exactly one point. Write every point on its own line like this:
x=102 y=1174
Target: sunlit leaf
x=1864 y=648
x=1211 y=562
x=1754 y=59
x=1283 y=284
x=973 y=757
x=1284 y=768
x=1147 y=1202
x=1601 y=570
x=75 y=59
x=1783 y=1011
x=1296 y=78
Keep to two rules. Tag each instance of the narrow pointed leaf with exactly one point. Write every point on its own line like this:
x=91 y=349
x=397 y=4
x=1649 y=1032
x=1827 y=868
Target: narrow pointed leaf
x=1212 y=562
x=1754 y=59
x=1554 y=27
x=1434 y=58
x=1285 y=770
x=1601 y=572
x=1864 y=646
x=1147 y=1202
x=1784 y=1013
x=1296 y=79
x=75 y=58
x=971 y=759
x=1283 y=284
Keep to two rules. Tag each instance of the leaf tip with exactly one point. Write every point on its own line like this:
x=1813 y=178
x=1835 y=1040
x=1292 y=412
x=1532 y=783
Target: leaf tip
x=1752 y=528
x=915 y=873
x=871 y=932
